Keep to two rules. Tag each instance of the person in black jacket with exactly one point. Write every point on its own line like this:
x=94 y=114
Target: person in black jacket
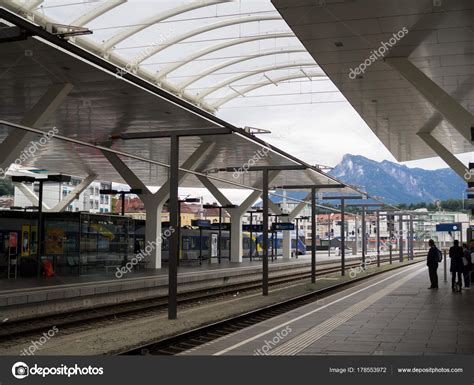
x=457 y=267
x=432 y=263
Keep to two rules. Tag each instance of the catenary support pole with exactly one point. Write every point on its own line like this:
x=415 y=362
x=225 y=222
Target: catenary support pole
x=313 y=235
x=343 y=239
x=265 y=233
x=174 y=240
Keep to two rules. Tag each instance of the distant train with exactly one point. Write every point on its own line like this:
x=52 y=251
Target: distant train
x=196 y=245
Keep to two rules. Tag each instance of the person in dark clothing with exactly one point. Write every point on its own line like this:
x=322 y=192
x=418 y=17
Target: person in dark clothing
x=471 y=247
x=467 y=263
x=432 y=263
x=456 y=254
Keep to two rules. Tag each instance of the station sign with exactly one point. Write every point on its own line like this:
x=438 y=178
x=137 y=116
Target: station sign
x=201 y=223
x=278 y=226
x=449 y=227
x=253 y=228
x=223 y=226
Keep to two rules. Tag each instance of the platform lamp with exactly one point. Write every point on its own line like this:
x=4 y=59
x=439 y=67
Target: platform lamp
x=214 y=206
x=52 y=178
x=122 y=195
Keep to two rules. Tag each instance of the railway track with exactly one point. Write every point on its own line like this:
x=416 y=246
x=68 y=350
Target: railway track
x=191 y=339
x=87 y=319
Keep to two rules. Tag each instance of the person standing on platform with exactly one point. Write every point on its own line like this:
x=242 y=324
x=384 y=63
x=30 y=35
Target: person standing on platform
x=432 y=262
x=471 y=247
x=456 y=254
x=466 y=260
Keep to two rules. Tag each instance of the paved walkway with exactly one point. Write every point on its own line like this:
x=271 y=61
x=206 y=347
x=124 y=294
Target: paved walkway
x=393 y=313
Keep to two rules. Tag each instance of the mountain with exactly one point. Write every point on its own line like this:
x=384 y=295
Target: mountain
x=398 y=183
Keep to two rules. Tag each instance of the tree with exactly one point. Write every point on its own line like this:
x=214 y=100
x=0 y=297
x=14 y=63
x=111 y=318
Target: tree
x=6 y=187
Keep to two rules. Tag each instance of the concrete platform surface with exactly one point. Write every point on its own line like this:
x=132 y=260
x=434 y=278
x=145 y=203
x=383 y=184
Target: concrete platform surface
x=112 y=336
x=391 y=314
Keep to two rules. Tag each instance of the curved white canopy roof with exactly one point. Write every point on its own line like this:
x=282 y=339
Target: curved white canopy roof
x=186 y=47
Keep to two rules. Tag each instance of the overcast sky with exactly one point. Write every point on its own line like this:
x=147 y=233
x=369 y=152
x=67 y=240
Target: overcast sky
x=309 y=119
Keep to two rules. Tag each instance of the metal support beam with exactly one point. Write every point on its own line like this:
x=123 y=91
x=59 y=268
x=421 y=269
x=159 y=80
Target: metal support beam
x=216 y=193
x=274 y=208
x=154 y=202
x=174 y=223
x=453 y=162
x=313 y=235
x=317 y=186
x=168 y=133
x=31 y=196
x=39 y=232
x=460 y=118
x=265 y=232
x=400 y=237
x=364 y=237
x=378 y=237
x=343 y=239
x=74 y=194
x=18 y=140
x=411 y=255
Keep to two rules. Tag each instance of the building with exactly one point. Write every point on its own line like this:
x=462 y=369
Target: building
x=89 y=200
x=135 y=208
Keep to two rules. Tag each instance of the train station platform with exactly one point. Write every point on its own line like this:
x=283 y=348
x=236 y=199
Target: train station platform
x=29 y=298
x=390 y=314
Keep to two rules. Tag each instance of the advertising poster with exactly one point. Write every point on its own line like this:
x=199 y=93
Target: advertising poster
x=13 y=240
x=54 y=240
x=34 y=240
x=25 y=240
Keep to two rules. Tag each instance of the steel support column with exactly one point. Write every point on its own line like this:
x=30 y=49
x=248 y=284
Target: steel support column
x=174 y=220
x=313 y=235
x=400 y=237
x=265 y=233
x=343 y=239
x=39 y=231
x=378 y=237
x=411 y=237
x=363 y=231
